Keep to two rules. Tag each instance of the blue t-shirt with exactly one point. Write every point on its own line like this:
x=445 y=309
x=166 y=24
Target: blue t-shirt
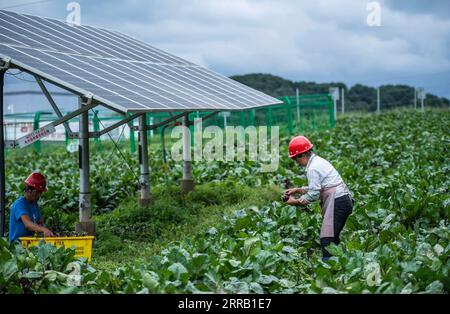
x=22 y=207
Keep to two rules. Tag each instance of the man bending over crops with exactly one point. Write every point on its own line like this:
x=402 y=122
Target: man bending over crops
x=25 y=218
x=324 y=183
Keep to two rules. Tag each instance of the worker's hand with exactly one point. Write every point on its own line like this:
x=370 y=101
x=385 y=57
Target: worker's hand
x=301 y=191
x=291 y=191
x=297 y=202
x=48 y=233
x=302 y=202
x=292 y=201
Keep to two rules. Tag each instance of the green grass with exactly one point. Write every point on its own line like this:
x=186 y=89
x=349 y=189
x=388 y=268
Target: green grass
x=131 y=233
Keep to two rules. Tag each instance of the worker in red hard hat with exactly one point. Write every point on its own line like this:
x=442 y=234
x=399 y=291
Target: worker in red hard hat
x=25 y=218
x=324 y=183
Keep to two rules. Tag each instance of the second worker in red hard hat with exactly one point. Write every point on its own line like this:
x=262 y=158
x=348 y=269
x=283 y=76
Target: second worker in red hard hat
x=324 y=184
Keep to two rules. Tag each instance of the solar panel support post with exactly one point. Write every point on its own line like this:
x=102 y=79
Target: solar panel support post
x=2 y=158
x=187 y=183
x=85 y=223
x=145 y=198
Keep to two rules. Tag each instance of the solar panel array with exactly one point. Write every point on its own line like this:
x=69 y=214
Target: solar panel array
x=120 y=71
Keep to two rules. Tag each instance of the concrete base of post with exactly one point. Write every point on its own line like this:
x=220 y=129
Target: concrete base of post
x=145 y=202
x=86 y=226
x=187 y=185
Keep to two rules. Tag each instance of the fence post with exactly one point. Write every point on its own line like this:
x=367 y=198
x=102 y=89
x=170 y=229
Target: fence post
x=334 y=91
x=268 y=116
x=299 y=115
x=242 y=118
x=96 y=124
x=132 y=138
x=147 y=121
x=378 y=100
x=422 y=95
x=251 y=117
x=36 y=122
x=191 y=117
x=289 y=110
x=217 y=118
x=298 y=107
x=415 y=98
x=269 y=120
x=67 y=137
x=330 y=107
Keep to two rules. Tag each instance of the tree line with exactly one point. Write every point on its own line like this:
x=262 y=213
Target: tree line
x=358 y=97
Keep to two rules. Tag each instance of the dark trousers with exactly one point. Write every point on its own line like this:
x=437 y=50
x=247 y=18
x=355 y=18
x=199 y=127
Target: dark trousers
x=343 y=207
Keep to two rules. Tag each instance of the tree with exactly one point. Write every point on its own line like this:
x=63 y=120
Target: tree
x=358 y=97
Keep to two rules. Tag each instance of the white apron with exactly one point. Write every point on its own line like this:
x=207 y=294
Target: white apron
x=327 y=204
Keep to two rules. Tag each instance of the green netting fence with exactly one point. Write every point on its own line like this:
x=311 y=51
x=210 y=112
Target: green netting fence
x=302 y=114
x=296 y=115
x=21 y=124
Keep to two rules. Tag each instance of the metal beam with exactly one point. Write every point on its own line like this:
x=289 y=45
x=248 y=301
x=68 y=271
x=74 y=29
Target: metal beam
x=84 y=109
x=187 y=183
x=145 y=198
x=85 y=223
x=10 y=144
x=108 y=129
x=2 y=159
x=155 y=126
x=52 y=102
x=122 y=122
x=85 y=204
x=35 y=92
x=76 y=135
x=75 y=113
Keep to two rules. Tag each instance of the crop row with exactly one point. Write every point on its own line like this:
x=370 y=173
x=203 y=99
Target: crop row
x=396 y=240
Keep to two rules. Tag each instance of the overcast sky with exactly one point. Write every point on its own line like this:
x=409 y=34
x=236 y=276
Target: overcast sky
x=321 y=40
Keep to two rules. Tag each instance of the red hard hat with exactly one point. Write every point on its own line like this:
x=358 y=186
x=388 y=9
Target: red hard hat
x=298 y=145
x=37 y=181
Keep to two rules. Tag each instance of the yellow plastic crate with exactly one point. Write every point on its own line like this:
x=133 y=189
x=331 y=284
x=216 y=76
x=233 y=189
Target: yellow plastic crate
x=83 y=245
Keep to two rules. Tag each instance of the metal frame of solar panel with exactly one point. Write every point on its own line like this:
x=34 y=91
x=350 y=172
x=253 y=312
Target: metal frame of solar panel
x=119 y=71
x=116 y=71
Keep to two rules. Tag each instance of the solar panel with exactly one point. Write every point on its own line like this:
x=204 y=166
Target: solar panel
x=119 y=71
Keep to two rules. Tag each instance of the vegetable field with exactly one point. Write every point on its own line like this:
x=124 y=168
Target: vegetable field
x=233 y=234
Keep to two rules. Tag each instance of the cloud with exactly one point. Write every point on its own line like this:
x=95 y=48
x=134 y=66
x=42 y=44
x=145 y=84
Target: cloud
x=436 y=8
x=323 y=40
